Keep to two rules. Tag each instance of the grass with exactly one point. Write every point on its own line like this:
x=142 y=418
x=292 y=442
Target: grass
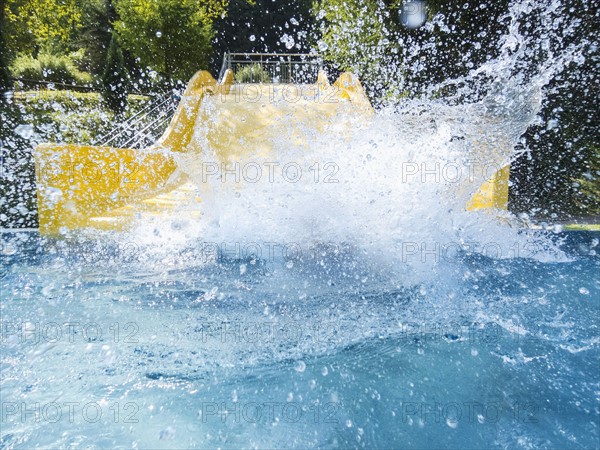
x=582 y=227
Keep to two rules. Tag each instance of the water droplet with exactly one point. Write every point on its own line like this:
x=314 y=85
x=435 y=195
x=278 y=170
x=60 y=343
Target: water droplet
x=7 y=249
x=584 y=291
x=452 y=423
x=300 y=366
x=167 y=434
x=252 y=38
x=324 y=371
x=322 y=46
x=25 y=131
x=288 y=41
x=158 y=34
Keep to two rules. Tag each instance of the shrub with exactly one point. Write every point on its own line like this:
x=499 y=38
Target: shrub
x=254 y=73
x=48 y=67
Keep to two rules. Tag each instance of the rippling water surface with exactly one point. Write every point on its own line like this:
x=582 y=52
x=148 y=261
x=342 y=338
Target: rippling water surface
x=236 y=353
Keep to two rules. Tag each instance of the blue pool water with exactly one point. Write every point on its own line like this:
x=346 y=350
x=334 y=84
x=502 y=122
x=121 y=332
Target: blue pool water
x=101 y=350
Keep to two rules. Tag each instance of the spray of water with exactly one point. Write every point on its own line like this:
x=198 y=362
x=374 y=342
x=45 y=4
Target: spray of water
x=377 y=217
x=389 y=193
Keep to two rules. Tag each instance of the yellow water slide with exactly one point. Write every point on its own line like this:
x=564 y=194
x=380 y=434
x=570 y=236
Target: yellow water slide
x=109 y=188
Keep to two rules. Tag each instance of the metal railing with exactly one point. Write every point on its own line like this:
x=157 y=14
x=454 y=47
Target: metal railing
x=138 y=131
x=144 y=128
x=300 y=68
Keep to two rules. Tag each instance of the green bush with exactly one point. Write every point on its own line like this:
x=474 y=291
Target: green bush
x=254 y=73
x=48 y=67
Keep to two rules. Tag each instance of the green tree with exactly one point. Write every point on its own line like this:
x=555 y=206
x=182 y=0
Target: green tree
x=355 y=35
x=94 y=35
x=172 y=37
x=5 y=83
x=32 y=25
x=367 y=37
x=115 y=79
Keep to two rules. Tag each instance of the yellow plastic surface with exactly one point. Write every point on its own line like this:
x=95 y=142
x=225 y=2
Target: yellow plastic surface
x=110 y=188
x=493 y=194
x=80 y=186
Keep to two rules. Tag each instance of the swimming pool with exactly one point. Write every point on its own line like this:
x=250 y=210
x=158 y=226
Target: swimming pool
x=356 y=305
x=217 y=349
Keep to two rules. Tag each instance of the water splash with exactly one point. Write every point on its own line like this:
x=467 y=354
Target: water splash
x=402 y=179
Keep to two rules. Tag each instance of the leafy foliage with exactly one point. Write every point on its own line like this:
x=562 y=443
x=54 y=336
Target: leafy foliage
x=5 y=83
x=588 y=194
x=49 y=67
x=95 y=33
x=252 y=74
x=364 y=36
x=172 y=37
x=41 y=24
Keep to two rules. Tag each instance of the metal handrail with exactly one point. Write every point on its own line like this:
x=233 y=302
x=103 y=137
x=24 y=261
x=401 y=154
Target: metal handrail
x=311 y=55
x=140 y=135
x=128 y=126
x=159 y=123
x=139 y=117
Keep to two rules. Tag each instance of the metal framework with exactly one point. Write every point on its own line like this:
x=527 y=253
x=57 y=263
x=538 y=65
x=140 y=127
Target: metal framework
x=295 y=68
